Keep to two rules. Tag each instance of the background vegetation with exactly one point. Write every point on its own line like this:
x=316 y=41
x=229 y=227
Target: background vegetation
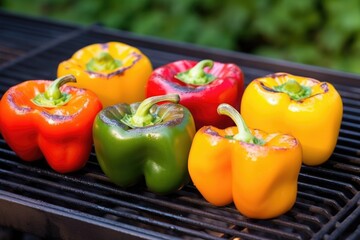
x=316 y=32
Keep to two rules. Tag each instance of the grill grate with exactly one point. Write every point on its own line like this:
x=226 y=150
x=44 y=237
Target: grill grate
x=37 y=200
x=26 y=37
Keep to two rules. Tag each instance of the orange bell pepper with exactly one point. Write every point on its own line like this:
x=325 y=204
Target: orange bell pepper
x=116 y=72
x=306 y=108
x=40 y=118
x=255 y=170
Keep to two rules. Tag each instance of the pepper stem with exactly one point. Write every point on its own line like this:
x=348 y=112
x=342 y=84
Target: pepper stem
x=142 y=117
x=197 y=75
x=53 y=97
x=103 y=61
x=244 y=134
x=295 y=90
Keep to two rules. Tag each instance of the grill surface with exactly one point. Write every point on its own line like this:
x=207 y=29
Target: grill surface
x=37 y=200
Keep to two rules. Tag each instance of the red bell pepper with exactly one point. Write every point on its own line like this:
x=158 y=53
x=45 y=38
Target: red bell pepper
x=202 y=86
x=40 y=118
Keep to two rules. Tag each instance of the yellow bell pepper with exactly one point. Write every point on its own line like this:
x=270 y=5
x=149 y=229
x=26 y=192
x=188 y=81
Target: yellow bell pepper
x=306 y=108
x=255 y=170
x=116 y=72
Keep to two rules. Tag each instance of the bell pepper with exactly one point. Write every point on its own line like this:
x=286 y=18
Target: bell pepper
x=116 y=72
x=40 y=118
x=145 y=140
x=255 y=170
x=202 y=86
x=306 y=108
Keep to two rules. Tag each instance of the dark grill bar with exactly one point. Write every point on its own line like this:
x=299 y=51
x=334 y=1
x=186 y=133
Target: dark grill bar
x=34 y=199
x=27 y=37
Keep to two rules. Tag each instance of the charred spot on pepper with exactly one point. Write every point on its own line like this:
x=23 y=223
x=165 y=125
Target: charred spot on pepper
x=104 y=46
x=186 y=88
x=20 y=109
x=210 y=131
x=324 y=87
x=266 y=88
x=57 y=117
x=71 y=88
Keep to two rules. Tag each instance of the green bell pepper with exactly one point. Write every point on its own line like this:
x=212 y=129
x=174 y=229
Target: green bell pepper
x=145 y=140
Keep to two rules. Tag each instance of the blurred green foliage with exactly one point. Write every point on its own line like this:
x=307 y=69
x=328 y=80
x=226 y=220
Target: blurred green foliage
x=316 y=32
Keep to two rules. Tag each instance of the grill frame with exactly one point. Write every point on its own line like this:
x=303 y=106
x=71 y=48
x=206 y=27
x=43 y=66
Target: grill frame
x=326 y=207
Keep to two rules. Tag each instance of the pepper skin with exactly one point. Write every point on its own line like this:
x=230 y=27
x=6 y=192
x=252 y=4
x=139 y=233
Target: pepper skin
x=56 y=125
x=116 y=72
x=202 y=86
x=303 y=107
x=145 y=140
x=256 y=170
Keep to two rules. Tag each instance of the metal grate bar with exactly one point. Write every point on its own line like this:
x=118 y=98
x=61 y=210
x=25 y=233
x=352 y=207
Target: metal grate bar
x=44 y=47
x=340 y=215
x=18 y=37
x=350 y=222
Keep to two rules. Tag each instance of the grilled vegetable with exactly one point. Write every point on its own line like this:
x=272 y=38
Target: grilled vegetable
x=202 y=86
x=116 y=72
x=40 y=118
x=145 y=140
x=256 y=170
x=303 y=107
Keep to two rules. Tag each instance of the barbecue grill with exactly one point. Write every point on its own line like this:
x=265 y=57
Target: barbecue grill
x=86 y=205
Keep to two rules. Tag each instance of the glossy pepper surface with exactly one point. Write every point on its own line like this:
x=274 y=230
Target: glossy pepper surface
x=255 y=170
x=116 y=72
x=306 y=108
x=145 y=140
x=41 y=118
x=202 y=86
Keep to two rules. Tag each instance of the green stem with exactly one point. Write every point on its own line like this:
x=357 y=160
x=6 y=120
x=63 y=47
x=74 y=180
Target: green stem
x=295 y=90
x=244 y=134
x=197 y=75
x=53 y=97
x=103 y=61
x=142 y=117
